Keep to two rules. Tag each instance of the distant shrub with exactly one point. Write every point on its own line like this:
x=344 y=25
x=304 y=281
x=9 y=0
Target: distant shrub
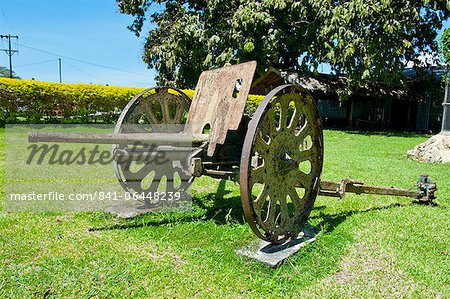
x=29 y=101
x=34 y=101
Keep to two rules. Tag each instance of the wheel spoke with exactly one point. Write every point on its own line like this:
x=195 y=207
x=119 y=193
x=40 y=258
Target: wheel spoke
x=284 y=210
x=147 y=107
x=258 y=203
x=257 y=175
x=156 y=182
x=304 y=132
x=140 y=174
x=269 y=125
x=130 y=118
x=178 y=113
x=302 y=156
x=260 y=143
x=301 y=179
x=270 y=220
x=261 y=146
x=298 y=202
x=165 y=111
x=284 y=112
x=293 y=123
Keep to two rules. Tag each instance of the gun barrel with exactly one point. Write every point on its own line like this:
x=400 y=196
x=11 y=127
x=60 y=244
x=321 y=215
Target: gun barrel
x=118 y=138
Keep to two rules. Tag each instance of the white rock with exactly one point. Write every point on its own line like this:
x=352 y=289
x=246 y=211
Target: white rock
x=434 y=150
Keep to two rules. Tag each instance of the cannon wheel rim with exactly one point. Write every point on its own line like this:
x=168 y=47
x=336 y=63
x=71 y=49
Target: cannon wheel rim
x=284 y=226
x=133 y=102
x=183 y=103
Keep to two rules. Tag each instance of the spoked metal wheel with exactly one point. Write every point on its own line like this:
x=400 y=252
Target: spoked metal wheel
x=153 y=110
x=281 y=164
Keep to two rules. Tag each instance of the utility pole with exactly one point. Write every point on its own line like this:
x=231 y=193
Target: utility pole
x=446 y=113
x=60 y=73
x=9 y=51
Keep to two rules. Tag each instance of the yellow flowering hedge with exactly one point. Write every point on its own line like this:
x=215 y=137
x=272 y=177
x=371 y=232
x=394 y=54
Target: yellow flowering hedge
x=33 y=101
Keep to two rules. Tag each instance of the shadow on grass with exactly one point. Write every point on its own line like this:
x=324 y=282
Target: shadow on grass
x=212 y=206
x=330 y=222
x=222 y=211
x=387 y=133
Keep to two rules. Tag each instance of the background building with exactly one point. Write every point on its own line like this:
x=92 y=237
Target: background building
x=414 y=107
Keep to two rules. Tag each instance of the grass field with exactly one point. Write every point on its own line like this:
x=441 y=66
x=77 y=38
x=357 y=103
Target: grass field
x=369 y=246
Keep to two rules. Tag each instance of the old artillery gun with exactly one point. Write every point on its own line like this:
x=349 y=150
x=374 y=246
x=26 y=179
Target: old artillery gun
x=276 y=155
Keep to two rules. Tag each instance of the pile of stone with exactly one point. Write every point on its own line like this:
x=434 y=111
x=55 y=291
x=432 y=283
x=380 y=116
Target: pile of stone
x=434 y=150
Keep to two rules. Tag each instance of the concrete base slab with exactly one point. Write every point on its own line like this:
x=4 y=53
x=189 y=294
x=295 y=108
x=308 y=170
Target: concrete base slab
x=126 y=212
x=273 y=255
x=132 y=209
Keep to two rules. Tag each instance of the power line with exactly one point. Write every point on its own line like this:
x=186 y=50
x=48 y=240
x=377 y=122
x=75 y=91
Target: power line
x=82 y=61
x=10 y=51
x=83 y=71
x=6 y=18
x=35 y=63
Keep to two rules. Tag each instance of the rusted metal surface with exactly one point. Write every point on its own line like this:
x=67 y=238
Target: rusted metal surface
x=217 y=102
x=142 y=154
x=424 y=191
x=338 y=189
x=161 y=105
x=277 y=191
x=118 y=138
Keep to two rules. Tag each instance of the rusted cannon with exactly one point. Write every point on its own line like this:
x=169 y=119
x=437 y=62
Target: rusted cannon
x=276 y=154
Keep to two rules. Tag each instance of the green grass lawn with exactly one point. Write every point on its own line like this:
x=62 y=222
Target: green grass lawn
x=369 y=246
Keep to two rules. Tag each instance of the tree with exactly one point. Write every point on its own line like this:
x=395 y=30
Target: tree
x=444 y=49
x=368 y=40
x=4 y=72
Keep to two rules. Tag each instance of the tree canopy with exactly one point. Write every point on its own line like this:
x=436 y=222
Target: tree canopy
x=4 y=72
x=368 y=40
x=445 y=46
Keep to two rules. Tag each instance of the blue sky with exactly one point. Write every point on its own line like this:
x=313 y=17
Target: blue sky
x=88 y=30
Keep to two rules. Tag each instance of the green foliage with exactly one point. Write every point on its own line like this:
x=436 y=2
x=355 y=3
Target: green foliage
x=444 y=48
x=366 y=39
x=34 y=101
x=4 y=72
